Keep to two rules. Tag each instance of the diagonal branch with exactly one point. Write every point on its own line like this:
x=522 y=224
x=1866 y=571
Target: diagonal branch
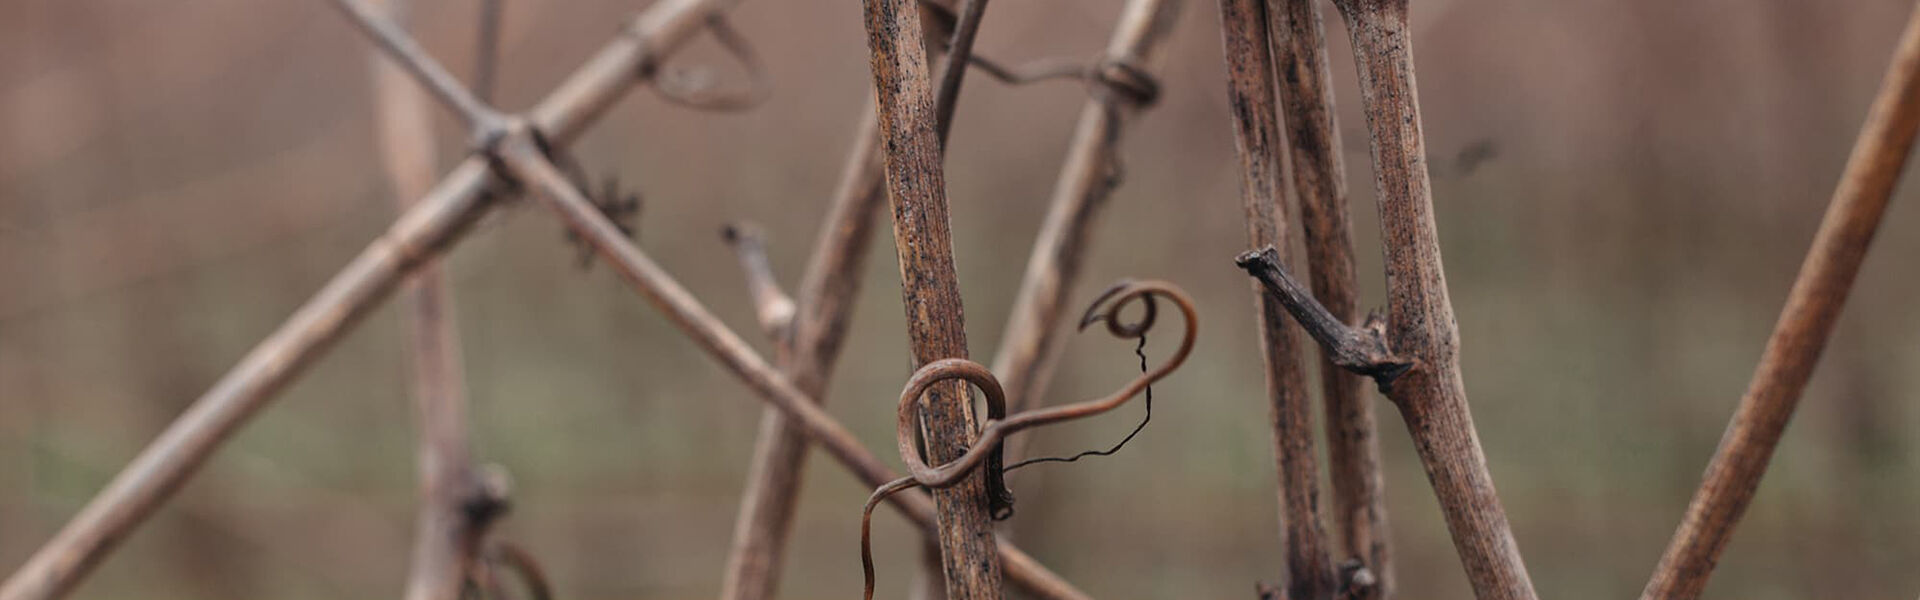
x=457 y=504
x=1432 y=396
x=1030 y=344
x=524 y=158
x=431 y=226
x=1251 y=86
x=402 y=48
x=1819 y=292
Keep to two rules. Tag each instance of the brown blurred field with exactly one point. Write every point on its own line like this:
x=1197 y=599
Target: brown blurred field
x=1625 y=191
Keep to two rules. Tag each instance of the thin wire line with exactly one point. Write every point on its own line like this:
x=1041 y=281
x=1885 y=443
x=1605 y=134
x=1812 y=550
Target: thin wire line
x=1140 y=350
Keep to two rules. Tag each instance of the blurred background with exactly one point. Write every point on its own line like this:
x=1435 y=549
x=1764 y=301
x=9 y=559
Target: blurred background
x=1625 y=190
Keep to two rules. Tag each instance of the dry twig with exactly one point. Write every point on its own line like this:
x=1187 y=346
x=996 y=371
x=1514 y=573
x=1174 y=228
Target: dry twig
x=1819 y=292
x=806 y=352
x=1319 y=182
x=1251 y=85
x=917 y=190
x=523 y=156
x=432 y=225
x=457 y=504
x=1431 y=396
x=1030 y=345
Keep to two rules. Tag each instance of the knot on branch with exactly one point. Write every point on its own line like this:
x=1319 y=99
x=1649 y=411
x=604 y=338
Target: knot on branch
x=486 y=495
x=1119 y=78
x=1356 y=580
x=987 y=449
x=1363 y=350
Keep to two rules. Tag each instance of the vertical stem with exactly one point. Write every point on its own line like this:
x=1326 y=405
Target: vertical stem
x=1250 y=90
x=455 y=509
x=1819 y=292
x=1030 y=346
x=935 y=324
x=809 y=350
x=1319 y=180
x=1431 y=396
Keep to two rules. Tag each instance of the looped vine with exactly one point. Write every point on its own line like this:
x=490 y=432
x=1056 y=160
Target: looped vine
x=986 y=450
x=694 y=88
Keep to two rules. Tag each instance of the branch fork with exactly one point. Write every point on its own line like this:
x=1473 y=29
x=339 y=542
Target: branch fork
x=1362 y=350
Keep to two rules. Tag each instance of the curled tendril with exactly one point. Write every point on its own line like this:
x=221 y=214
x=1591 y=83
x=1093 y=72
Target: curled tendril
x=987 y=448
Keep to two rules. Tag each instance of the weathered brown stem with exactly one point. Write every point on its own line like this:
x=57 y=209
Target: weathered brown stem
x=772 y=307
x=916 y=188
x=1431 y=396
x=1319 y=182
x=1358 y=350
x=807 y=354
x=428 y=228
x=1819 y=292
x=523 y=158
x=1030 y=345
x=1251 y=89
x=457 y=505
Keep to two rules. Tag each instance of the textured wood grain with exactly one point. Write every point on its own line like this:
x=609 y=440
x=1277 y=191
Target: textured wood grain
x=916 y=189
x=1251 y=86
x=1320 y=186
x=1432 y=396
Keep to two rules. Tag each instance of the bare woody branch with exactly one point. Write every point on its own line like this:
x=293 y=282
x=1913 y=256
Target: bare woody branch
x=457 y=504
x=807 y=353
x=1431 y=396
x=1359 y=350
x=772 y=307
x=1030 y=345
x=524 y=159
x=520 y=149
x=408 y=53
x=1251 y=89
x=431 y=226
x=1319 y=182
x=916 y=188
x=1819 y=292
